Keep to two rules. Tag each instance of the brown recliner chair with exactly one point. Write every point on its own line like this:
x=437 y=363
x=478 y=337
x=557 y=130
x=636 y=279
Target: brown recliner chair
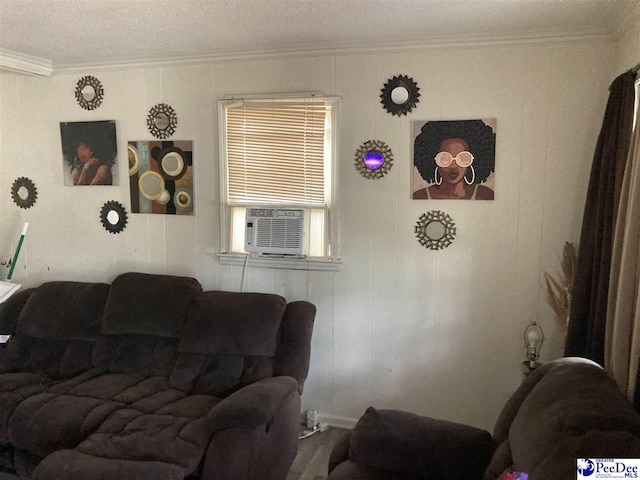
x=565 y=410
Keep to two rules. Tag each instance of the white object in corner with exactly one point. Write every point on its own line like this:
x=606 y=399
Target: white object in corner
x=278 y=231
x=7 y=289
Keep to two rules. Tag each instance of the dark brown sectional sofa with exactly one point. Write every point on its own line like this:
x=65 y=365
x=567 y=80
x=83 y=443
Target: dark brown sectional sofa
x=150 y=378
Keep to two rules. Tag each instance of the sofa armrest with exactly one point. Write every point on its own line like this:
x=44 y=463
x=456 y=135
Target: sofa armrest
x=294 y=350
x=405 y=443
x=340 y=451
x=253 y=405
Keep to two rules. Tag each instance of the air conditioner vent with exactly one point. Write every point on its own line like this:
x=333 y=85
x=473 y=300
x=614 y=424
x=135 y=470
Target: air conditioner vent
x=275 y=231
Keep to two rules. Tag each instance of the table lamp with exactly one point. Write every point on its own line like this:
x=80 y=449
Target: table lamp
x=533 y=338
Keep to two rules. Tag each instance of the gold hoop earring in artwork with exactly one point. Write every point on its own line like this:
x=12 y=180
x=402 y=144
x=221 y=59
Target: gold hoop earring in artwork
x=437 y=177
x=473 y=176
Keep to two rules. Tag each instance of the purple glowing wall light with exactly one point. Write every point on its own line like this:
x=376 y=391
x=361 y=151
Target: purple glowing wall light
x=373 y=159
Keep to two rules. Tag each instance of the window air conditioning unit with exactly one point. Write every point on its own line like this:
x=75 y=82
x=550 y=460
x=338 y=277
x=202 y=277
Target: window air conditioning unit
x=278 y=231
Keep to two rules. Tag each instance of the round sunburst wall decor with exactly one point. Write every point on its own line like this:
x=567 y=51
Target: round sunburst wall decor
x=162 y=120
x=374 y=159
x=89 y=92
x=435 y=230
x=113 y=216
x=24 y=192
x=400 y=95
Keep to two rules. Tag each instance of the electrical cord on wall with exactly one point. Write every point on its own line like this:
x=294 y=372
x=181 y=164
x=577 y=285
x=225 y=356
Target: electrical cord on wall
x=244 y=271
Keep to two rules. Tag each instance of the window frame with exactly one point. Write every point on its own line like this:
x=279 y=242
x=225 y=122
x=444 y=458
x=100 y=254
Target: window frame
x=331 y=259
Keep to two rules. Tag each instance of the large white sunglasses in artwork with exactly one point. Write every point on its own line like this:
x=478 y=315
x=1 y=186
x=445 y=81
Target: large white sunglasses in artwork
x=463 y=159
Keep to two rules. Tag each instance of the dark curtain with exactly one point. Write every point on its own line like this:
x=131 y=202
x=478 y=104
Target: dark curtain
x=586 y=329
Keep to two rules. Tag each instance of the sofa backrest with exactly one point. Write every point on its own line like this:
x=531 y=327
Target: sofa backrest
x=234 y=339
x=205 y=342
x=142 y=323
x=56 y=325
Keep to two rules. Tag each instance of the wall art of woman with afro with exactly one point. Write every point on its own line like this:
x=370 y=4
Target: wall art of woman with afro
x=454 y=159
x=90 y=151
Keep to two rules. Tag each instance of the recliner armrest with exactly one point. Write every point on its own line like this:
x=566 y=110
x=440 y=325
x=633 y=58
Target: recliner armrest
x=420 y=447
x=253 y=405
x=340 y=451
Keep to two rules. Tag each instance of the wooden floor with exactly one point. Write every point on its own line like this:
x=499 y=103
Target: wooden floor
x=313 y=455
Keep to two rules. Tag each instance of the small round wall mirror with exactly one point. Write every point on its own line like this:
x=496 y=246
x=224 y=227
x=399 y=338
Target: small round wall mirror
x=435 y=230
x=400 y=95
x=113 y=216
x=24 y=192
x=162 y=120
x=89 y=92
x=374 y=159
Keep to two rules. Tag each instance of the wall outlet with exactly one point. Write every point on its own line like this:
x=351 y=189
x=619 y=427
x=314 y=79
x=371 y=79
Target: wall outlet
x=312 y=418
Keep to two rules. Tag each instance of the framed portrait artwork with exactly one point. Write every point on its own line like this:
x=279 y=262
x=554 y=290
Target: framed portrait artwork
x=454 y=159
x=89 y=153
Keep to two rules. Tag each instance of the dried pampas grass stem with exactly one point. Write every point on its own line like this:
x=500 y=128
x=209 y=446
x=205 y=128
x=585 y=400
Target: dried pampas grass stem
x=558 y=289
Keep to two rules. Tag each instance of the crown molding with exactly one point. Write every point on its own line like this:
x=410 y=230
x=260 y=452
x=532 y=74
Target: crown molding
x=536 y=38
x=22 y=63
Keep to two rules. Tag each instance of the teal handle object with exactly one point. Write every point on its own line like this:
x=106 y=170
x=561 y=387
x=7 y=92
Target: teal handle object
x=15 y=256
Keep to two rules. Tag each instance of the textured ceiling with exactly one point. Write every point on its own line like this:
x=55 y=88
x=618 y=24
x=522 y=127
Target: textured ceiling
x=76 y=32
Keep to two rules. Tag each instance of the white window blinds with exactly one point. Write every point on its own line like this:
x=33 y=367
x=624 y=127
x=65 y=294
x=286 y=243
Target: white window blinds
x=276 y=152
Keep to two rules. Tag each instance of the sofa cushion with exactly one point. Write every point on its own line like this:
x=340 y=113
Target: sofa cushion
x=63 y=311
x=146 y=304
x=421 y=447
x=14 y=388
x=47 y=422
x=230 y=340
x=54 y=358
x=175 y=436
x=144 y=354
x=164 y=438
x=227 y=323
x=567 y=403
x=55 y=329
x=142 y=323
x=63 y=417
x=74 y=465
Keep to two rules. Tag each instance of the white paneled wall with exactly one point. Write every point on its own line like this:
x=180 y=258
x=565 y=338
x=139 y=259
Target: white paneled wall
x=437 y=333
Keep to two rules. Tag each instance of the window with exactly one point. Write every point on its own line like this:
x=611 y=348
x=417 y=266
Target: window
x=279 y=153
